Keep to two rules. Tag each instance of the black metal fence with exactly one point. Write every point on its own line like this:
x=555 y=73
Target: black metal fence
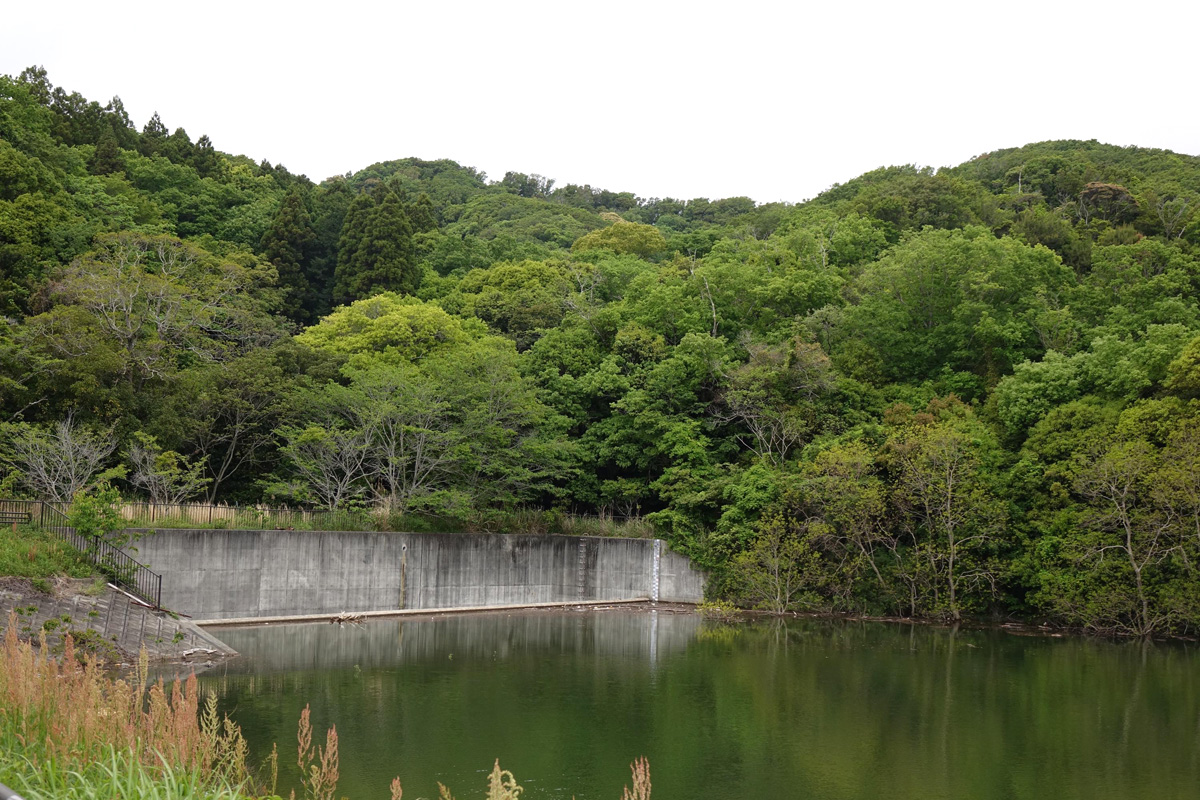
x=113 y=562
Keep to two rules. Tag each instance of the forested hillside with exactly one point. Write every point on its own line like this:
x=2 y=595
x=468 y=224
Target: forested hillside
x=970 y=391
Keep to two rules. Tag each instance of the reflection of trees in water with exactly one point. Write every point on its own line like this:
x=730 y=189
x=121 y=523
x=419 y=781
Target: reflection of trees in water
x=776 y=707
x=957 y=712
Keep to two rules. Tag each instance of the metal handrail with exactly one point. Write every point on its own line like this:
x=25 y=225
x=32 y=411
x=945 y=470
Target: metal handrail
x=117 y=565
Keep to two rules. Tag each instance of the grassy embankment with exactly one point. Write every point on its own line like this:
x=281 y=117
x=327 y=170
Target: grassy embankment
x=144 y=515
x=30 y=552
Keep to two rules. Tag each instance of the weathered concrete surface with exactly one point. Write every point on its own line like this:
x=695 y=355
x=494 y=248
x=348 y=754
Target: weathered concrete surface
x=218 y=574
x=120 y=622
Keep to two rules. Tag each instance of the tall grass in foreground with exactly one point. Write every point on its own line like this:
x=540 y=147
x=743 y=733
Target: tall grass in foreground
x=119 y=776
x=63 y=716
x=69 y=731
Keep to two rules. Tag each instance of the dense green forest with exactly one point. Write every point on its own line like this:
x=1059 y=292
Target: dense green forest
x=966 y=391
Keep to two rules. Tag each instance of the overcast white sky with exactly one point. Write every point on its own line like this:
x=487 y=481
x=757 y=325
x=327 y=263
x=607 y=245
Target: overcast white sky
x=772 y=100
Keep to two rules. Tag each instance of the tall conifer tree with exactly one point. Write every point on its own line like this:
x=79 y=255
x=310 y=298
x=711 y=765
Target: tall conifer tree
x=288 y=245
x=107 y=156
x=375 y=252
x=153 y=135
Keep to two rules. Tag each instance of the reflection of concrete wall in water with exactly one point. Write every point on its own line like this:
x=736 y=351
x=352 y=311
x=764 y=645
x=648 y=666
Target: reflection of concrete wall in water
x=214 y=574
x=638 y=636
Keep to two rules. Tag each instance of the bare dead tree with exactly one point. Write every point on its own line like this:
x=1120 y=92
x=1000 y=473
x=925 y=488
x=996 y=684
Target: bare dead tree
x=1173 y=213
x=768 y=396
x=59 y=462
x=409 y=425
x=1132 y=528
x=167 y=477
x=330 y=461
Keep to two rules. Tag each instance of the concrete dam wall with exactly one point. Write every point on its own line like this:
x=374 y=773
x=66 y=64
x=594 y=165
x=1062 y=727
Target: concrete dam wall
x=224 y=574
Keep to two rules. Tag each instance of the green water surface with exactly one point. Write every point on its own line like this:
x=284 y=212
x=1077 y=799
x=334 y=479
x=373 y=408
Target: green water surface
x=778 y=709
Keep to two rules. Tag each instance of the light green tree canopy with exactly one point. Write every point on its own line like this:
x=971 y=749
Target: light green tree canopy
x=623 y=237
x=391 y=327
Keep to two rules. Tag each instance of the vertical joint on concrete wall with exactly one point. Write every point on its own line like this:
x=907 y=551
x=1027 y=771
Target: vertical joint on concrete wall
x=403 y=575
x=656 y=570
x=581 y=571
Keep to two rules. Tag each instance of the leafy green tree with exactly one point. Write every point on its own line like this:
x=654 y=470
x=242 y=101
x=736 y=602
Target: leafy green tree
x=390 y=327
x=910 y=198
x=177 y=148
x=422 y=214
x=1111 y=583
x=96 y=515
x=459 y=426
x=150 y=302
x=841 y=504
x=329 y=461
x=154 y=133
x=1136 y=285
x=762 y=286
x=1172 y=207
x=491 y=216
x=516 y=451
x=1034 y=388
x=413 y=443
x=524 y=185
x=22 y=174
x=1128 y=366
x=640 y=240
x=225 y=415
x=962 y=299
x=1183 y=374
x=1039 y=225
x=205 y=159
x=781 y=571
x=948 y=514
x=327 y=204
x=517 y=300
x=107 y=157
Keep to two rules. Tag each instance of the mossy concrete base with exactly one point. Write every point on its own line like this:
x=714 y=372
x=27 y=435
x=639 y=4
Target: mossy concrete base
x=110 y=623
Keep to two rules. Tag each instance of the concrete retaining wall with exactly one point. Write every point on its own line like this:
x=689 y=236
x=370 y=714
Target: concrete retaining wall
x=221 y=574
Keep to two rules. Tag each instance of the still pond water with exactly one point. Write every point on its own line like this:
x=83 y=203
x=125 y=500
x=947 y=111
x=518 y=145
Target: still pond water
x=805 y=709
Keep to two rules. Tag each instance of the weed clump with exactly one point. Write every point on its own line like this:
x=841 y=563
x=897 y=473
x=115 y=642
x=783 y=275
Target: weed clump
x=68 y=713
